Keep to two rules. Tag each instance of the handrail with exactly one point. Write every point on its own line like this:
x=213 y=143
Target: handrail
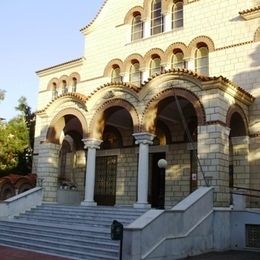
x=243 y=188
x=243 y=194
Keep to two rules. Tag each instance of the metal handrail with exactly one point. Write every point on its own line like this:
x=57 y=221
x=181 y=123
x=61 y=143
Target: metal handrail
x=244 y=188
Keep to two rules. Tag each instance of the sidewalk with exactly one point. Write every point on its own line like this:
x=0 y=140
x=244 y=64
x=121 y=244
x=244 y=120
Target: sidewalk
x=12 y=253
x=228 y=255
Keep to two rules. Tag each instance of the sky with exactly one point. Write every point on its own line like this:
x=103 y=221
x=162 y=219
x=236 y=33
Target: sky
x=36 y=34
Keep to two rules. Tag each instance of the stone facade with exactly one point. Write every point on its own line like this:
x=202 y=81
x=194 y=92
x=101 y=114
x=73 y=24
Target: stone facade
x=185 y=76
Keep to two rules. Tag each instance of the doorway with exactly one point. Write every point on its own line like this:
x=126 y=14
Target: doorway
x=156 y=194
x=105 y=182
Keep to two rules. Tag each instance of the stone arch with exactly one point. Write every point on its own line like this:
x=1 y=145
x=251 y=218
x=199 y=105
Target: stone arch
x=108 y=67
x=131 y=57
x=97 y=123
x=51 y=82
x=201 y=39
x=176 y=45
x=150 y=53
x=147 y=8
x=72 y=76
x=55 y=128
x=63 y=78
x=130 y=14
x=236 y=109
x=150 y=111
x=167 y=6
x=257 y=35
x=7 y=189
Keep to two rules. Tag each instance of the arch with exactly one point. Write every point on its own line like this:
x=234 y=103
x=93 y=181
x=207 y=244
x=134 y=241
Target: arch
x=55 y=128
x=72 y=76
x=51 y=82
x=176 y=45
x=236 y=109
x=257 y=35
x=129 y=15
x=150 y=53
x=135 y=56
x=62 y=79
x=7 y=189
x=108 y=68
x=150 y=112
x=97 y=123
x=198 y=40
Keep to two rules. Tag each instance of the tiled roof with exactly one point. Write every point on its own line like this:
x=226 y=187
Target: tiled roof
x=257 y=8
x=89 y=24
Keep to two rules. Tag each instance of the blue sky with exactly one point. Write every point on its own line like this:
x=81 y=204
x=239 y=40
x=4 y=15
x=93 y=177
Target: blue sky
x=35 y=34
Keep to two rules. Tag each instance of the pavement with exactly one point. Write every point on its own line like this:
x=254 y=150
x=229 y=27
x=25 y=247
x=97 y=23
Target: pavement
x=227 y=255
x=12 y=253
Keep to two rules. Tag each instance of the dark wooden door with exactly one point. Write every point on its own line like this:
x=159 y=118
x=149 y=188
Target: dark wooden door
x=157 y=186
x=105 y=181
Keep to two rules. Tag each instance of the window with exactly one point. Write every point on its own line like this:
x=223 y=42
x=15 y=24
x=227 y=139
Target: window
x=135 y=73
x=156 y=17
x=74 y=85
x=202 y=60
x=177 y=60
x=115 y=75
x=137 y=27
x=177 y=15
x=155 y=65
x=54 y=90
x=64 y=87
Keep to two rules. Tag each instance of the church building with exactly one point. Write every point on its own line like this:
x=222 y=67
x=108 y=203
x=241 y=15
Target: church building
x=159 y=79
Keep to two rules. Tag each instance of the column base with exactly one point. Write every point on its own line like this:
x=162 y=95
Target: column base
x=138 y=205
x=88 y=203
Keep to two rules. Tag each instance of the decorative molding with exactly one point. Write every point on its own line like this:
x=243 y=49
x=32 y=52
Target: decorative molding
x=251 y=13
x=233 y=45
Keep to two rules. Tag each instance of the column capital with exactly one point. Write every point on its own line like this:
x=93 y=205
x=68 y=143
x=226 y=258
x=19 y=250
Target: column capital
x=143 y=138
x=92 y=143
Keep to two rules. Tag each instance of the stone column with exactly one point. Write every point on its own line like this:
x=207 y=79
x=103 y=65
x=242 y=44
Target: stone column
x=213 y=153
x=144 y=140
x=240 y=162
x=91 y=144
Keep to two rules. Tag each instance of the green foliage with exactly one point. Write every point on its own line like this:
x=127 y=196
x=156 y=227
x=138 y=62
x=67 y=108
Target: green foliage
x=14 y=140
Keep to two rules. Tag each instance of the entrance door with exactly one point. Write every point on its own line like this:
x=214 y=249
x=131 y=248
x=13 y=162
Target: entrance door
x=105 y=181
x=156 y=184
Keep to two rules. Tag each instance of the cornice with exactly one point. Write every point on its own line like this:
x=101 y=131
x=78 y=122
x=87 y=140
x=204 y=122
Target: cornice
x=60 y=67
x=251 y=13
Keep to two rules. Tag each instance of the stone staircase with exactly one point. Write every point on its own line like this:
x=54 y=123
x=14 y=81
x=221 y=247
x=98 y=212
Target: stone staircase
x=74 y=232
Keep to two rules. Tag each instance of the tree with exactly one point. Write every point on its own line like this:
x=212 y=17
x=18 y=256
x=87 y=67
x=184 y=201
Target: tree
x=16 y=141
x=13 y=142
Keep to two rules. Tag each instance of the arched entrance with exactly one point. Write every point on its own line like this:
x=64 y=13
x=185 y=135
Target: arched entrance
x=175 y=127
x=238 y=148
x=111 y=160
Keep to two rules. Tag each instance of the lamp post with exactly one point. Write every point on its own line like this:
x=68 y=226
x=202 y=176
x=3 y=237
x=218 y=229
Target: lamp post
x=162 y=164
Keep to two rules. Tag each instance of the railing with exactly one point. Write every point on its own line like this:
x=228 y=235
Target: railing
x=243 y=191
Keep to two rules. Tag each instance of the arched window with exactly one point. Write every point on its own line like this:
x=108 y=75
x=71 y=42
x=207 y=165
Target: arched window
x=177 y=60
x=64 y=87
x=155 y=65
x=135 y=73
x=115 y=75
x=177 y=14
x=156 y=17
x=137 y=27
x=54 y=90
x=74 y=85
x=202 y=59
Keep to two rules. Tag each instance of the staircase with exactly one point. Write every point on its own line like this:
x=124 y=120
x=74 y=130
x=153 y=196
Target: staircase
x=75 y=232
